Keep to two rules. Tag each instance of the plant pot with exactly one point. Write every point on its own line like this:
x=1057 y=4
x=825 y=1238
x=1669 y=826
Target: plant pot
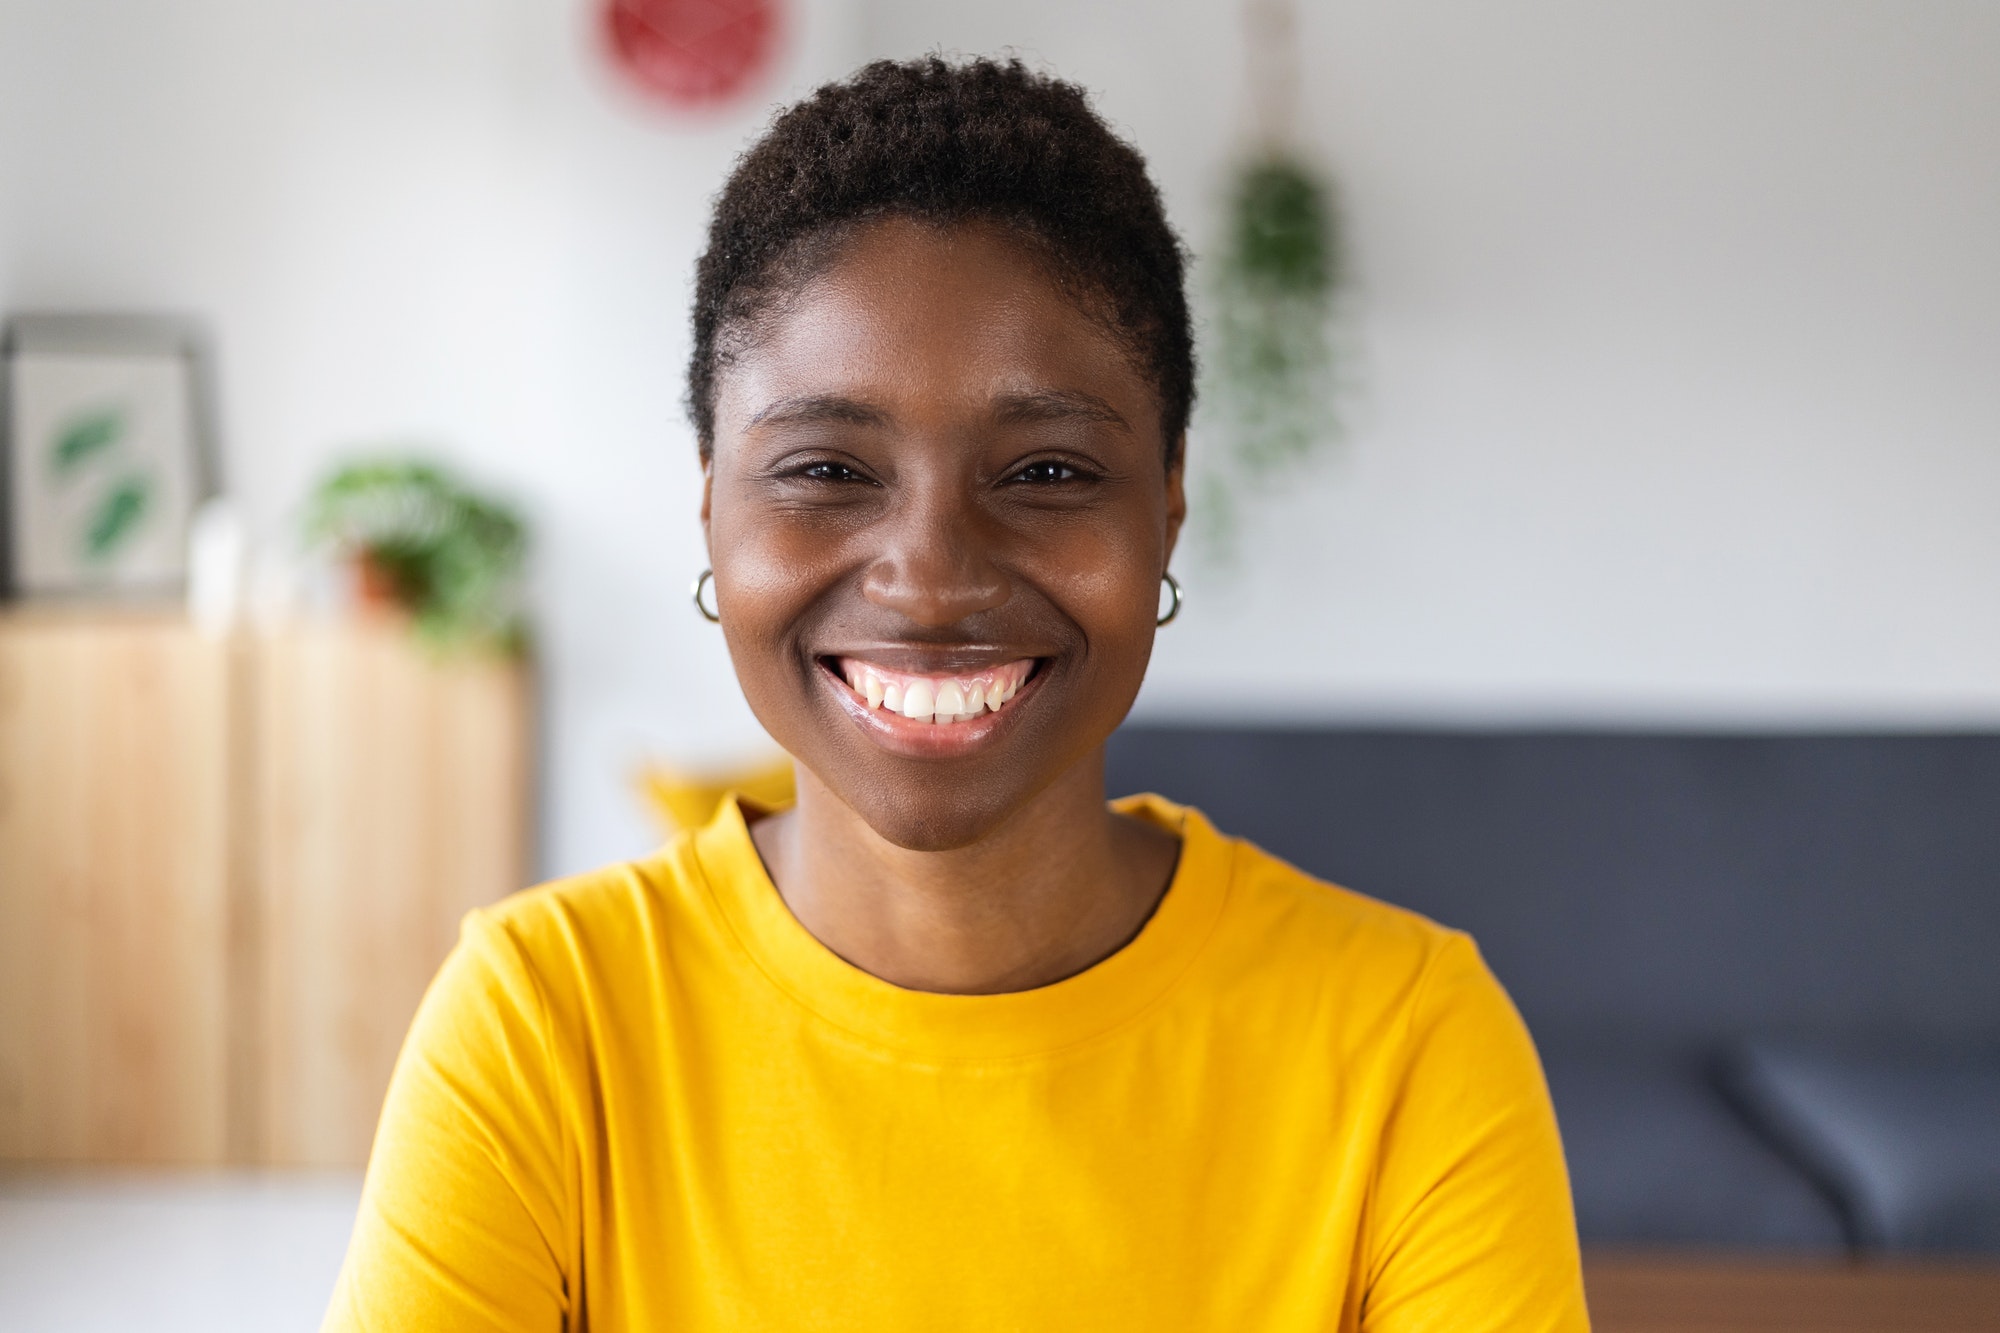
x=377 y=591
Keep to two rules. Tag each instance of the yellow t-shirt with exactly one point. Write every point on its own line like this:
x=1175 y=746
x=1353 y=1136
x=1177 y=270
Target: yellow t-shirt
x=648 y=1099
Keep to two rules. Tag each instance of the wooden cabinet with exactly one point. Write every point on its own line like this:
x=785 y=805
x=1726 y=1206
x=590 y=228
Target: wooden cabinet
x=391 y=798
x=115 y=902
x=227 y=871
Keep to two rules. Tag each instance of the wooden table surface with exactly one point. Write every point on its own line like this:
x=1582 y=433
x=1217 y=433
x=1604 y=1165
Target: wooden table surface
x=1653 y=1294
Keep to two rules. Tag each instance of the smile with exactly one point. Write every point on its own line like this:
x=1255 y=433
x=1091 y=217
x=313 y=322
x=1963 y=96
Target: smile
x=936 y=700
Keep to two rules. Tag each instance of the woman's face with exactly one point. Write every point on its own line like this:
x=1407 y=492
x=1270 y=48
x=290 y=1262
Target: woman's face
x=938 y=510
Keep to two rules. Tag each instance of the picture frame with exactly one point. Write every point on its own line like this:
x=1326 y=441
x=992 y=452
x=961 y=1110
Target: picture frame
x=107 y=449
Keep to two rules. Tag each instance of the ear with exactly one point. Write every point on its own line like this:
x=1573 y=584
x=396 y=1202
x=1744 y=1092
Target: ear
x=1176 y=498
x=707 y=493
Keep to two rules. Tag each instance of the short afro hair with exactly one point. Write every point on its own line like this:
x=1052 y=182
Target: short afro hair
x=948 y=143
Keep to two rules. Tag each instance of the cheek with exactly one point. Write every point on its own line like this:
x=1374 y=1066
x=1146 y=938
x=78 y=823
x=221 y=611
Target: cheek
x=764 y=596
x=764 y=574
x=1104 y=579
x=1110 y=598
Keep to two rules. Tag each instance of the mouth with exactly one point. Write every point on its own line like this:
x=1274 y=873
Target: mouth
x=931 y=714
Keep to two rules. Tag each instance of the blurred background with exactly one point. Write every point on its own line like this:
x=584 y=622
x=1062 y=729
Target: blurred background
x=1648 y=515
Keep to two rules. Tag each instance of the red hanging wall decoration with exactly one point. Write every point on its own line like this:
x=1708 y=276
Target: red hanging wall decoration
x=691 y=53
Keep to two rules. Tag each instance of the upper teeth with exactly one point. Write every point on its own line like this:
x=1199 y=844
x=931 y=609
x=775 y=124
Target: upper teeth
x=935 y=698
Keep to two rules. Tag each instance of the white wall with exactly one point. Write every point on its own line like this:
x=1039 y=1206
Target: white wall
x=1677 y=326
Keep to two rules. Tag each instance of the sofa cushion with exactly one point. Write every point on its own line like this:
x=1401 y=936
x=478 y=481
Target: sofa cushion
x=1909 y=1140
x=1657 y=1158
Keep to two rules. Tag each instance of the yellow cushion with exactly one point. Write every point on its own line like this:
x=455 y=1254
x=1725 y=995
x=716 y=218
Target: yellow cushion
x=681 y=799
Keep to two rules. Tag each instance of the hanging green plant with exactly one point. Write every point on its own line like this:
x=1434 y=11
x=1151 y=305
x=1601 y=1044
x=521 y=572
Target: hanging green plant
x=1270 y=376
x=420 y=539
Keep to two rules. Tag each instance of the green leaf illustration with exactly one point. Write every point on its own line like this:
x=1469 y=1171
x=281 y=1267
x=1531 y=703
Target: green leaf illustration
x=84 y=436
x=117 y=517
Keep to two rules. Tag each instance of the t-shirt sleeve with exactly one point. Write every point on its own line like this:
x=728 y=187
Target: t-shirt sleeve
x=1471 y=1224
x=463 y=1215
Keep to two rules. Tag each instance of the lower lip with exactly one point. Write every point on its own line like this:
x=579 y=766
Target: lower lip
x=926 y=740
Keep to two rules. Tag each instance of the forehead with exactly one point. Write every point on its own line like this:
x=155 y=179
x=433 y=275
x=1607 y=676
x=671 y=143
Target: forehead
x=931 y=321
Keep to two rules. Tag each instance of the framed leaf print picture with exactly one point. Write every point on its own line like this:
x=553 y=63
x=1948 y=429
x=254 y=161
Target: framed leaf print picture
x=108 y=453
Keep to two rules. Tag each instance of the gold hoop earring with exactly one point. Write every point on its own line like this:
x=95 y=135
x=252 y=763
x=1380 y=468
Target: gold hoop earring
x=702 y=580
x=1174 y=587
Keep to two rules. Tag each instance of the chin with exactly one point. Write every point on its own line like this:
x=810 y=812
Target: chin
x=919 y=817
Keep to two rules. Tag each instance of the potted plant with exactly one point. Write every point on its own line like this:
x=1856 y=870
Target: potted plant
x=421 y=540
x=1274 y=286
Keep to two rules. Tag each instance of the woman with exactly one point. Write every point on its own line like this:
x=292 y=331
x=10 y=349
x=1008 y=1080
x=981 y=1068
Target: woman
x=951 y=1044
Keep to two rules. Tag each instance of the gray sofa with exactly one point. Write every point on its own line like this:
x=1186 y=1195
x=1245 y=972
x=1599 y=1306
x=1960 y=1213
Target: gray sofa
x=1764 y=971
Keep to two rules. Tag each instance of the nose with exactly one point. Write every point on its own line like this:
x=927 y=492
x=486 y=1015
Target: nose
x=935 y=566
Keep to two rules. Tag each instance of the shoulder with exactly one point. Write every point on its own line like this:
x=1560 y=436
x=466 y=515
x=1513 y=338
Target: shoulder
x=607 y=900
x=1307 y=915
x=587 y=931
x=1286 y=931
x=1389 y=987
x=1397 y=955
x=1273 y=892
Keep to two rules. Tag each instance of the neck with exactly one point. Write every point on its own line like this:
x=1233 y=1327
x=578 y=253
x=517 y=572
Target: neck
x=1061 y=885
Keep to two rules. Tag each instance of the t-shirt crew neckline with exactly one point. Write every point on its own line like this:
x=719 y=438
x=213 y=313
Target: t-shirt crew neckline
x=1015 y=1025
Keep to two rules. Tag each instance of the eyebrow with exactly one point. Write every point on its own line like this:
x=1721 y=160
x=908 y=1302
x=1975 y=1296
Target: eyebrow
x=1058 y=405
x=821 y=407
x=1009 y=409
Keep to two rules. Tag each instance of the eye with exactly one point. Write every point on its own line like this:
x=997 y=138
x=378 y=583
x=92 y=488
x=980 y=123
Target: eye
x=1048 y=471
x=828 y=470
